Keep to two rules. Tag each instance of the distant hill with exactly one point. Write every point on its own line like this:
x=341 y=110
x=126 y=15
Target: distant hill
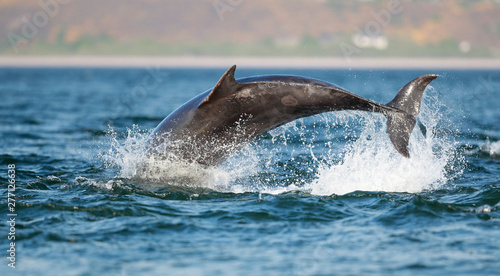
x=251 y=27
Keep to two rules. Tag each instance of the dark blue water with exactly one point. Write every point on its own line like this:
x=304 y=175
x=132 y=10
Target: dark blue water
x=326 y=195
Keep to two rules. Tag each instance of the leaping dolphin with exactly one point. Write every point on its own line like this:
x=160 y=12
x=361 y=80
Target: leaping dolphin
x=213 y=125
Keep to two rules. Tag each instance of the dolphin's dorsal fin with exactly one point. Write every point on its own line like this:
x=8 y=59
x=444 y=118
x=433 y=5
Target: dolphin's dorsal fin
x=226 y=85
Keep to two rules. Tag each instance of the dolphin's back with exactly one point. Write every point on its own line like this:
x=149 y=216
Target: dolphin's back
x=179 y=116
x=288 y=79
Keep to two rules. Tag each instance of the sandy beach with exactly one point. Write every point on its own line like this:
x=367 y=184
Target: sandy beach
x=248 y=62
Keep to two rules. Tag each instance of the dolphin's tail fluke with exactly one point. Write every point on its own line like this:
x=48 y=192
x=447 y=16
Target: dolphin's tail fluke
x=401 y=122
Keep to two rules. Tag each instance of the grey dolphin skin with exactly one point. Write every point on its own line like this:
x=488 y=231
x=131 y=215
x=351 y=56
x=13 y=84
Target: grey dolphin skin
x=213 y=125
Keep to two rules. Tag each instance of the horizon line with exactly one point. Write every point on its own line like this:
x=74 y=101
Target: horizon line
x=247 y=62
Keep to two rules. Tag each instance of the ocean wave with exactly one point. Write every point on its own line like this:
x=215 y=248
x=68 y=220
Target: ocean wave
x=491 y=148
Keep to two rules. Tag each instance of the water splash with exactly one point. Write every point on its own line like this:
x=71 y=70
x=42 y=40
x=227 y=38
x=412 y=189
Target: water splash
x=126 y=154
x=362 y=158
x=372 y=164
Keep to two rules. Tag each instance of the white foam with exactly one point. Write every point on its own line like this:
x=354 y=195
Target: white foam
x=129 y=158
x=372 y=164
x=108 y=185
x=368 y=164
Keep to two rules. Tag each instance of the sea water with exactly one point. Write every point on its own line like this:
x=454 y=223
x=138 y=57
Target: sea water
x=324 y=195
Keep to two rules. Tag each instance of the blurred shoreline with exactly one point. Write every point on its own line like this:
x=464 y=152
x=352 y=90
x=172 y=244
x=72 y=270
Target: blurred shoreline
x=246 y=62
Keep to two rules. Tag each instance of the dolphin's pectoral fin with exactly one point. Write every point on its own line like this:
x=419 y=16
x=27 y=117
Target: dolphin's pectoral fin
x=400 y=123
x=226 y=85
